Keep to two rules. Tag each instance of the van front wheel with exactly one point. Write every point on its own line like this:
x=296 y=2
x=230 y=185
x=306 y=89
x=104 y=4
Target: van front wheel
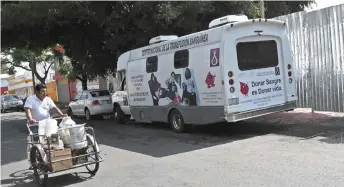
x=177 y=121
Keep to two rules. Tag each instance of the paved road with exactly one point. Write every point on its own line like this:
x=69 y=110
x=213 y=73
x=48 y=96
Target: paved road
x=281 y=150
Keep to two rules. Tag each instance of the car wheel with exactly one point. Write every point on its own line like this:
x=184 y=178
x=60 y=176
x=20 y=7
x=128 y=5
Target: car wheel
x=177 y=121
x=118 y=114
x=88 y=114
x=70 y=112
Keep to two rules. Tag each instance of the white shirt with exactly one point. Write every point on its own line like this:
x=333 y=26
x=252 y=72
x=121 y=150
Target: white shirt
x=39 y=109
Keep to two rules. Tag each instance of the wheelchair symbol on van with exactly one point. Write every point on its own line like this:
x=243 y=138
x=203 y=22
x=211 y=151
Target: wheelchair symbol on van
x=214 y=57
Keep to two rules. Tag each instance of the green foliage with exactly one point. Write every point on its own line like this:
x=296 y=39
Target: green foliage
x=274 y=9
x=7 y=70
x=94 y=34
x=28 y=59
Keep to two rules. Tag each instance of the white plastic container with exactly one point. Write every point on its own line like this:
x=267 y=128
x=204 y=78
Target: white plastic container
x=46 y=127
x=50 y=127
x=67 y=121
x=65 y=133
x=78 y=136
x=72 y=135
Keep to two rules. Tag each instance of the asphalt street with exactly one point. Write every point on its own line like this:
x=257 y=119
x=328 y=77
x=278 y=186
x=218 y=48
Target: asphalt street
x=288 y=149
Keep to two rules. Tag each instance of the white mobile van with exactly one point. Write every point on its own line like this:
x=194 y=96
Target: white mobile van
x=236 y=70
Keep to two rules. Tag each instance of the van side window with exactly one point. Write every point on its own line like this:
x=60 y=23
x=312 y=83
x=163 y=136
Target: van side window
x=152 y=64
x=181 y=59
x=257 y=54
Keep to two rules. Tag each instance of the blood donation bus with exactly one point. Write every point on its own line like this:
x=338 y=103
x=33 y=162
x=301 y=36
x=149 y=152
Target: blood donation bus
x=237 y=69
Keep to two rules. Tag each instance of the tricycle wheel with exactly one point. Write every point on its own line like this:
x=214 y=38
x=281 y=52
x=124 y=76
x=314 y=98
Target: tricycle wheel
x=38 y=166
x=92 y=158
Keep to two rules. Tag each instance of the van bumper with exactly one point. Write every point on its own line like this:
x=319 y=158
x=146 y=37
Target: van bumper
x=233 y=117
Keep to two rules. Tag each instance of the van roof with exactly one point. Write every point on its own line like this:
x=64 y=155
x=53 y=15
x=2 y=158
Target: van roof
x=127 y=56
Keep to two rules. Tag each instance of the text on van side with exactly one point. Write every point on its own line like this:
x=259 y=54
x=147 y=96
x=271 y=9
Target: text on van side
x=194 y=40
x=272 y=82
x=137 y=82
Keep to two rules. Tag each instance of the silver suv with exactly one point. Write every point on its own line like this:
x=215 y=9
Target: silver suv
x=11 y=102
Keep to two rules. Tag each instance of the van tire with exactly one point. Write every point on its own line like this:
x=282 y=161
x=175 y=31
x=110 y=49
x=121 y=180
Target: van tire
x=176 y=121
x=118 y=114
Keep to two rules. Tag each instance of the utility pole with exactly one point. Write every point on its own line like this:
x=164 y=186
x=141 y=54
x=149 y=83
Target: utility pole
x=262 y=8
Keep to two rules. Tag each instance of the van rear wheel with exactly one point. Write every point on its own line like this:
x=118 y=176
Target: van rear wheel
x=177 y=121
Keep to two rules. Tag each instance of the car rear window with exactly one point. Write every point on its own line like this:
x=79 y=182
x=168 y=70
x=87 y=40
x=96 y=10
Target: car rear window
x=100 y=93
x=11 y=98
x=257 y=54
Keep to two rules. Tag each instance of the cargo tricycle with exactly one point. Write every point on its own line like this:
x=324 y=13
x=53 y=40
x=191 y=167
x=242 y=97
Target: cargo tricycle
x=54 y=148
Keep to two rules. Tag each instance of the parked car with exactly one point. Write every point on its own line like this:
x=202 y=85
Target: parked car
x=90 y=103
x=11 y=102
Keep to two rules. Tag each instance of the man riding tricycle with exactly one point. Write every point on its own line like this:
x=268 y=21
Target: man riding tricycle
x=54 y=147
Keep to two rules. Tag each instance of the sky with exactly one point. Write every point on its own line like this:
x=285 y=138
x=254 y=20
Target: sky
x=326 y=3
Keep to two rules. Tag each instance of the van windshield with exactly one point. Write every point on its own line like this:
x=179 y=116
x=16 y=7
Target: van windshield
x=100 y=93
x=257 y=54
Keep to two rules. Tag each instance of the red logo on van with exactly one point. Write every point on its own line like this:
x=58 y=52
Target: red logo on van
x=244 y=88
x=210 y=80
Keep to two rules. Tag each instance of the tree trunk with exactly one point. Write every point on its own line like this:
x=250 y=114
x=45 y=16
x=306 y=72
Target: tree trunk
x=84 y=82
x=84 y=85
x=41 y=80
x=38 y=76
x=33 y=78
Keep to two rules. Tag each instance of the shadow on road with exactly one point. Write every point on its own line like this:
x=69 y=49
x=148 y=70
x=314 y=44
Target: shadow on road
x=24 y=178
x=13 y=140
x=157 y=140
x=162 y=141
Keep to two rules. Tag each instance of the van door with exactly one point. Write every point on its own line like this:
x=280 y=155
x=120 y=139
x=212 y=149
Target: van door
x=257 y=76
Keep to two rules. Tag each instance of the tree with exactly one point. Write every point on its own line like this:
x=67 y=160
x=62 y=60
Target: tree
x=274 y=9
x=7 y=70
x=30 y=60
x=94 y=34
x=73 y=70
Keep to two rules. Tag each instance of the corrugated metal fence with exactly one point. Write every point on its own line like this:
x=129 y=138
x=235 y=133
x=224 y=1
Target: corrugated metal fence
x=317 y=42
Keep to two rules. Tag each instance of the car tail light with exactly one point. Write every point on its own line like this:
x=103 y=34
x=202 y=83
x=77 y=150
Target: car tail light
x=95 y=102
x=231 y=81
x=289 y=73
